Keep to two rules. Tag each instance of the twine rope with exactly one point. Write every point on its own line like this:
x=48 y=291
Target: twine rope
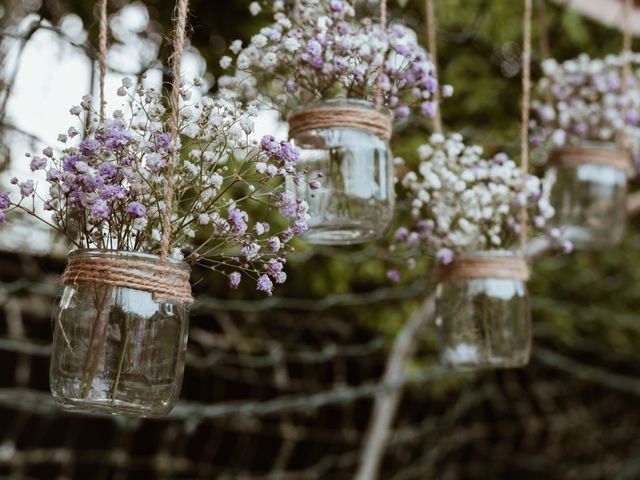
x=102 y=55
x=504 y=268
x=383 y=29
x=575 y=156
x=360 y=118
x=297 y=8
x=432 y=29
x=627 y=39
x=178 y=42
x=166 y=283
x=526 y=105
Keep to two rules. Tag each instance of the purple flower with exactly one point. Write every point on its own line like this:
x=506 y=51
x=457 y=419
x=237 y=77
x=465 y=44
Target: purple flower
x=429 y=109
x=163 y=141
x=90 y=147
x=107 y=170
x=111 y=193
x=136 y=210
x=394 y=276
x=3 y=218
x=566 y=247
x=403 y=50
x=300 y=227
x=315 y=185
x=274 y=267
x=234 y=279
x=274 y=244
x=402 y=234
x=38 y=163
x=287 y=153
x=265 y=285
x=336 y=5
x=403 y=111
x=292 y=86
x=69 y=163
x=269 y=144
x=114 y=136
x=27 y=188
x=314 y=48
x=238 y=221
x=4 y=201
x=91 y=183
x=445 y=256
x=100 y=210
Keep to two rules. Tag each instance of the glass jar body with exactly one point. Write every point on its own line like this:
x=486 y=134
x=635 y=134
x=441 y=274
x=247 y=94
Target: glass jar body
x=484 y=322
x=356 y=200
x=116 y=350
x=589 y=198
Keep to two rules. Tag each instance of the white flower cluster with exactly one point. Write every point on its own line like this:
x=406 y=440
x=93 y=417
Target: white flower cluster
x=584 y=99
x=463 y=202
x=108 y=191
x=324 y=51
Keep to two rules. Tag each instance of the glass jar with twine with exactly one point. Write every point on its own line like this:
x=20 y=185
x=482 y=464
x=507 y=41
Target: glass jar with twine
x=120 y=337
x=345 y=143
x=482 y=302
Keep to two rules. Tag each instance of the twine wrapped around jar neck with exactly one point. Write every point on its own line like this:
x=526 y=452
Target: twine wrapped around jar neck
x=486 y=267
x=606 y=157
x=323 y=116
x=166 y=283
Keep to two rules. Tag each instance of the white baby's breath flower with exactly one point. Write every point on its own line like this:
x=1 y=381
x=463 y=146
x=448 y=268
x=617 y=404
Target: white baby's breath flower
x=255 y=8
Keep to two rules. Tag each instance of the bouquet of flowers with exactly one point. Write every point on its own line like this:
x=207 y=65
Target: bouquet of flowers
x=324 y=52
x=585 y=100
x=107 y=190
x=462 y=202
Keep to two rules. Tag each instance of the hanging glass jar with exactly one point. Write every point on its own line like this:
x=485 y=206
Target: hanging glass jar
x=482 y=311
x=344 y=143
x=120 y=337
x=588 y=192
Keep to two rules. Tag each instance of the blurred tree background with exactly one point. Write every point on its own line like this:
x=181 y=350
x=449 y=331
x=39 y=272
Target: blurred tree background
x=283 y=388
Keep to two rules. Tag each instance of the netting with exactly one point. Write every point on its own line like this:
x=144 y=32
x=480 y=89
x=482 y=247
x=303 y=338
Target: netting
x=287 y=394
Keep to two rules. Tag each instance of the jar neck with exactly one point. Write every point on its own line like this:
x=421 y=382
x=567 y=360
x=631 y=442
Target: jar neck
x=147 y=258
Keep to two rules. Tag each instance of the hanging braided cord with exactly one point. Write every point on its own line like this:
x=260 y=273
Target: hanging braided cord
x=526 y=101
x=545 y=46
x=627 y=73
x=102 y=55
x=383 y=30
x=432 y=30
x=297 y=8
x=178 y=42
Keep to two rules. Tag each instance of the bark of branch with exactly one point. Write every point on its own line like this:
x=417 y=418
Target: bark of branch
x=386 y=403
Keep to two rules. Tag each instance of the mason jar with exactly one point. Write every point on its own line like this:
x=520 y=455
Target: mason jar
x=345 y=144
x=588 y=192
x=118 y=349
x=482 y=311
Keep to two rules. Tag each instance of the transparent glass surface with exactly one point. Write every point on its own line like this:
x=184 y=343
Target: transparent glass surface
x=116 y=350
x=356 y=201
x=590 y=203
x=484 y=323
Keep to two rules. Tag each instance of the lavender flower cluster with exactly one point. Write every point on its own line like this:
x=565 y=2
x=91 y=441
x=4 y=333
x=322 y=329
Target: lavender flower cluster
x=107 y=191
x=324 y=52
x=584 y=99
x=462 y=202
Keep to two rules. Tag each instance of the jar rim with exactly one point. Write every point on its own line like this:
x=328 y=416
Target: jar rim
x=342 y=101
x=589 y=143
x=142 y=256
